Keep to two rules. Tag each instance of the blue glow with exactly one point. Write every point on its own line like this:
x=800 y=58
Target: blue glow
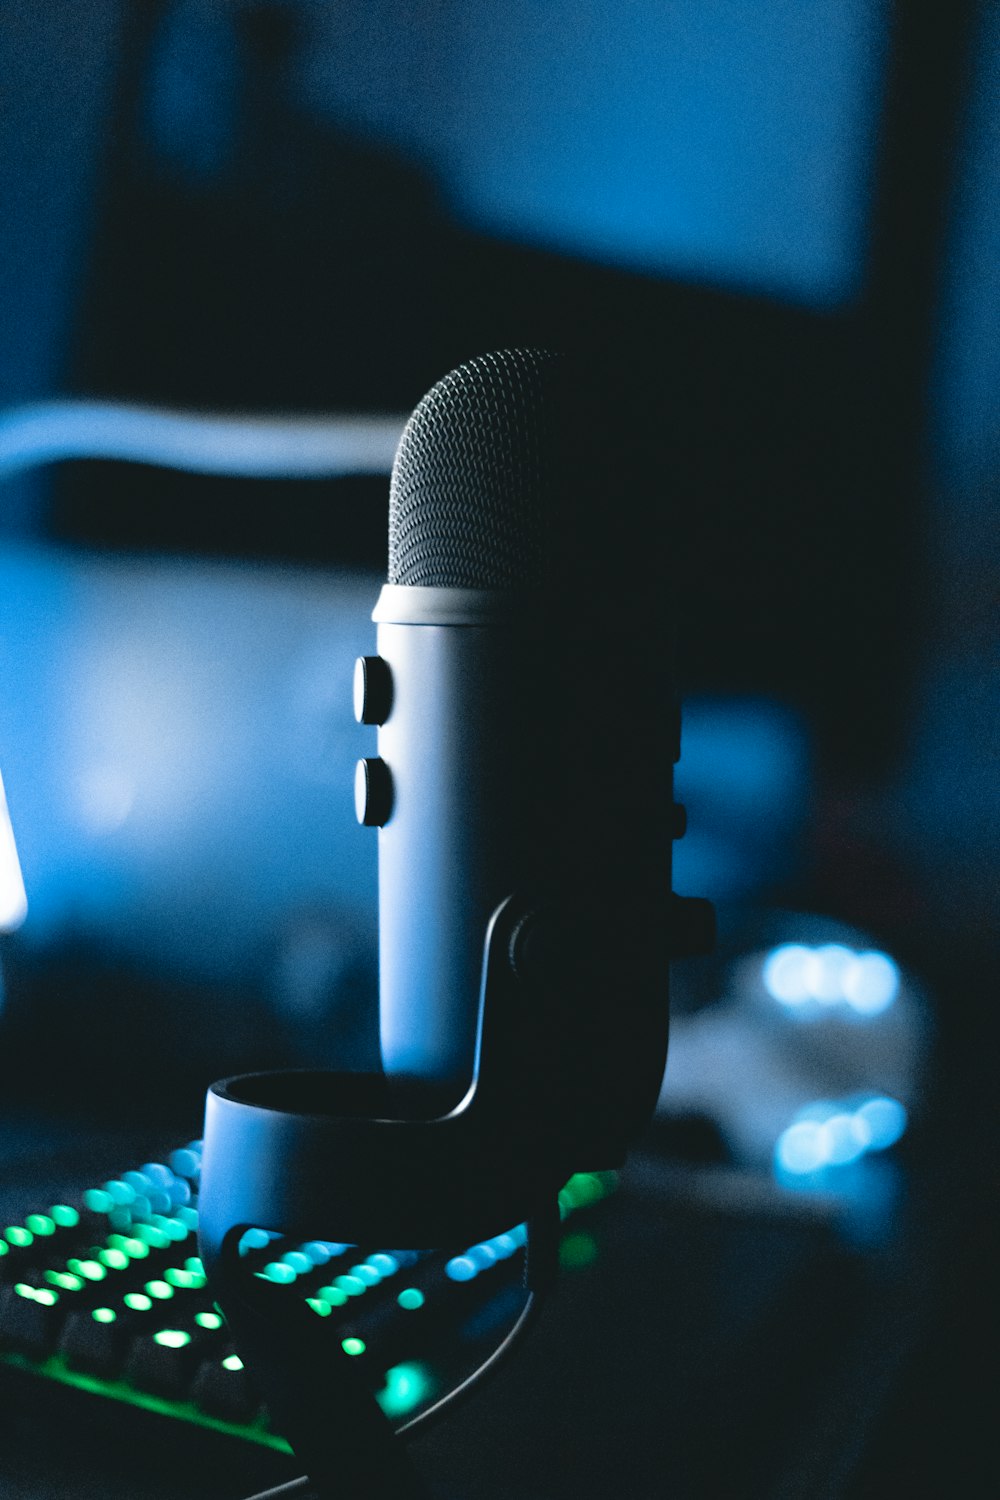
x=885 y=1120
x=786 y=972
x=461 y=1268
x=121 y=1193
x=256 y=1239
x=384 y=1264
x=138 y=1182
x=352 y=1286
x=158 y=1173
x=845 y=1139
x=871 y=983
x=827 y=967
x=794 y=974
x=186 y=1163
x=317 y=1251
x=483 y=1256
x=800 y=1148
x=505 y=1245
x=824 y=1134
x=230 y=758
x=367 y=1273
x=300 y=1264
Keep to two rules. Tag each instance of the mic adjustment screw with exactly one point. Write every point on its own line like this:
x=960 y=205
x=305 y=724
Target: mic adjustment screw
x=372 y=792
x=678 y=821
x=372 y=690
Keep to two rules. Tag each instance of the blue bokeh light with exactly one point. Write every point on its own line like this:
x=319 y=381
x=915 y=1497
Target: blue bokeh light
x=871 y=983
x=825 y=1134
x=795 y=974
x=786 y=974
x=885 y=1120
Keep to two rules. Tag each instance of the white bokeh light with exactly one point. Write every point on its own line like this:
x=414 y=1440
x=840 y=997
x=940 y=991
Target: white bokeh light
x=13 y=900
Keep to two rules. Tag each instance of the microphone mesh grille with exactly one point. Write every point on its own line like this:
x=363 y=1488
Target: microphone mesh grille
x=475 y=486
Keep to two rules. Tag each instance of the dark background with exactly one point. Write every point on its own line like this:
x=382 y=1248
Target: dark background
x=784 y=220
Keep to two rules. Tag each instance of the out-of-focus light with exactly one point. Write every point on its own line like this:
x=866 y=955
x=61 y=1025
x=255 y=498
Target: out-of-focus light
x=277 y=1272
x=824 y=1134
x=844 y=1139
x=406 y=1386
x=794 y=974
x=172 y=1338
x=884 y=1119
x=577 y=1250
x=105 y=797
x=13 y=900
x=786 y=973
x=826 y=969
x=800 y=1148
x=871 y=983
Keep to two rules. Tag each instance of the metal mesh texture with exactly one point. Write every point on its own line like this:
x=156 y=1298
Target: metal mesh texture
x=483 y=473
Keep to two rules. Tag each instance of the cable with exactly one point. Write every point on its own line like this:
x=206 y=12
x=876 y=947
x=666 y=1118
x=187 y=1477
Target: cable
x=239 y=445
x=526 y=1318
x=294 y=1489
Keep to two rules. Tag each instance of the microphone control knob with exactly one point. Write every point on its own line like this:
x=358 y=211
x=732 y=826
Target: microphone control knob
x=372 y=690
x=372 y=792
x=678 y=821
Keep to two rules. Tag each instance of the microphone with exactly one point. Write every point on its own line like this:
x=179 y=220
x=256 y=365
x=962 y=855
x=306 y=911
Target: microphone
x=522 y=789
x=527 y=728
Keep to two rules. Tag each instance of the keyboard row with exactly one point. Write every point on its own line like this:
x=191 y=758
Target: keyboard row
x=111 y=1292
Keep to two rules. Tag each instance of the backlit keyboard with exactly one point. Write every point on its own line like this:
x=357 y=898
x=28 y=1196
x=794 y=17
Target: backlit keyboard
x=107 y=1294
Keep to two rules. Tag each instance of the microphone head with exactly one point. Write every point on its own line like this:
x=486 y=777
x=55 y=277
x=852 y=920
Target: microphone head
x=501 y=475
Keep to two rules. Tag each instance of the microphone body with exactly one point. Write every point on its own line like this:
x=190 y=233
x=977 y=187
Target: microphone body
x=527 y=732
x=458 y=836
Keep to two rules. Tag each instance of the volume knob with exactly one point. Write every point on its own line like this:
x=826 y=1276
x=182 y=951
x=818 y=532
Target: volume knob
x=372 y=792
x=372 y=690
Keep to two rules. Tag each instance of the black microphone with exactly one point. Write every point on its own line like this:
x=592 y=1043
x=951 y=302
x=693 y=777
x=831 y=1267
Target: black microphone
x=524 y=694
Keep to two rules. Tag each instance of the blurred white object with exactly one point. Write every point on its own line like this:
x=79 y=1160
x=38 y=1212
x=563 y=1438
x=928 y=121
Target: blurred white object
x=249 y=445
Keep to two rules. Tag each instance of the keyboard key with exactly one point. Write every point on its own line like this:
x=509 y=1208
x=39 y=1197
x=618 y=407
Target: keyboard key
x=164 y=1362
x=30 y=1318
x=223 y=1389
x=94 y=1342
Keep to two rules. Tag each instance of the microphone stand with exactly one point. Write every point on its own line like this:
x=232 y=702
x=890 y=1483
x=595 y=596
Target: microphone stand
x=333 y=1423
